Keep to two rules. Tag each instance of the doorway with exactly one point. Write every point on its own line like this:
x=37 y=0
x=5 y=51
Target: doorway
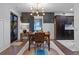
x=38 y=20
x=14 y=27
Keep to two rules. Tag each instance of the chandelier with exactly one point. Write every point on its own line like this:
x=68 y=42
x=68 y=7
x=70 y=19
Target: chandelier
x=37 y=10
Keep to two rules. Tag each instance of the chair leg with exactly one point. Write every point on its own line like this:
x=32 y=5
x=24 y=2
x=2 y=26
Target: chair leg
x=48 y=46
x=43 y=45
x=35 y=47
x=29 y=46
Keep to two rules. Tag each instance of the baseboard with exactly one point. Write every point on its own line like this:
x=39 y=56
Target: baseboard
x=4 y=48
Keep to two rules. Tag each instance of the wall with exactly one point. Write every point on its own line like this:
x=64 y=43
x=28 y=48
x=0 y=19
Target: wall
x=49 y=27
x=1 y=34
x=24 y=26
x=5 y=27
x=46 y=27
x=76 y=25
x=5 y=10
x=48 y=21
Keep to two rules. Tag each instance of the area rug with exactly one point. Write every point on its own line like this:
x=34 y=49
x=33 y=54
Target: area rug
x=16 y=43
x=40 y=51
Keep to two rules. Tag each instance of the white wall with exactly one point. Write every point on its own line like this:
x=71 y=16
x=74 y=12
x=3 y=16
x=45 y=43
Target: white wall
x=76 y=25
x=49 y=27
x=1 y=35
x=46 y=27
x=6 y=35
x=24 y=26
x=5 y=10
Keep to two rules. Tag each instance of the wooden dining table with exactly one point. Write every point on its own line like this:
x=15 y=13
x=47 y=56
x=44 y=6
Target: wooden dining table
x=47 y=35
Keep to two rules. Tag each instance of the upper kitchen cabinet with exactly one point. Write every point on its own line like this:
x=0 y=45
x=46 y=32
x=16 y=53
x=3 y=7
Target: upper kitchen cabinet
x=48 y=17
x=25 y=17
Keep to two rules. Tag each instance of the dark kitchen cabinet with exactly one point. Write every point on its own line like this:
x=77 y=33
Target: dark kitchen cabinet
x=48 y=17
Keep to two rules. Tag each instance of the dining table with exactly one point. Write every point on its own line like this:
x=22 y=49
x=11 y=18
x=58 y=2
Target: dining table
x=47 y=36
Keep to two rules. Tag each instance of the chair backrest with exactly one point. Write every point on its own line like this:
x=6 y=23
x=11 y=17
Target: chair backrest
x=23 y=35
x=39 y=37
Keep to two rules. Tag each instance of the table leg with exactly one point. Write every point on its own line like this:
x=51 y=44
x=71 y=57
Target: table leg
x=49 y=42
x=29 y=45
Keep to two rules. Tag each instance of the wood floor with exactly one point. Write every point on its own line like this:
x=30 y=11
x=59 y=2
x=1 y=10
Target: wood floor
x=13 y=50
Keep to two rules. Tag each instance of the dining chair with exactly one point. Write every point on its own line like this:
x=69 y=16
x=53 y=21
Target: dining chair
x=39 y=39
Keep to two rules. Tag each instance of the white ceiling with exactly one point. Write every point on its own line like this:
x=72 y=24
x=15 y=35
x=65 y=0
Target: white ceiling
x=50 y=7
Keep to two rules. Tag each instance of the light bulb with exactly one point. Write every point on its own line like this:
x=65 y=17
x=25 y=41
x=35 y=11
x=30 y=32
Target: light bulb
x=37 y=12
x=31 y=14
x=31 y=8
x=42 y=8
x=71 y=9
x=43 y=13
x=38 y=15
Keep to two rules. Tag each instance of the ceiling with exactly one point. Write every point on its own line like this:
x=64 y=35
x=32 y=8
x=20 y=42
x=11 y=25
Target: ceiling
x=48 y=7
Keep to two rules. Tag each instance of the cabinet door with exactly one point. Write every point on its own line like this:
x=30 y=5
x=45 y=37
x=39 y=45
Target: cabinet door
x=48 y=18
x=1 y=35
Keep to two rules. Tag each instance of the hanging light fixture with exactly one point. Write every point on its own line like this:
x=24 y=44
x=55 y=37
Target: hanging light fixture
x=37 y=10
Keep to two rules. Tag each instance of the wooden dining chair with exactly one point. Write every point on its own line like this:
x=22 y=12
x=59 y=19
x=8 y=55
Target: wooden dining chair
x=39 y=39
